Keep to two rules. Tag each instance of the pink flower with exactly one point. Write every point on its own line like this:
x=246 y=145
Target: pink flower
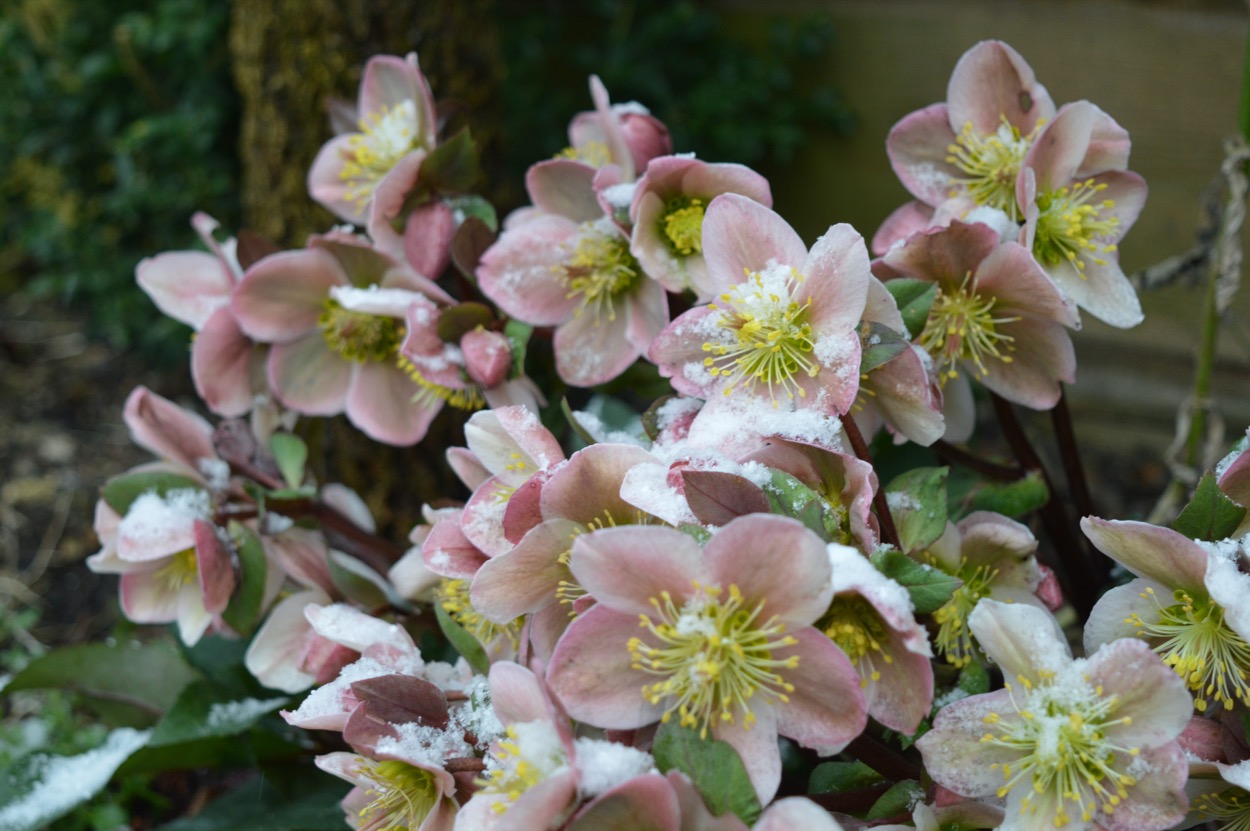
x=667 y=212
x=1086 y=743
x=1188 y=603
x=396 y=121
x=334 y=312
x=1079 y=201
x=783 y=324
x=726 y=644
x=996 y=315
x=287 y=653
x=973 y=145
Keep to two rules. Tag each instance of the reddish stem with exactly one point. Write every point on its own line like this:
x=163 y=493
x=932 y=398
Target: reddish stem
x=878 y=498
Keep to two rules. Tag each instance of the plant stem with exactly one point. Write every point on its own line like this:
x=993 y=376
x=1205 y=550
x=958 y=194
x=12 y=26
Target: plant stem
x=883 y=759
x=957 y=455
x=888 y=531
x=1061 y=419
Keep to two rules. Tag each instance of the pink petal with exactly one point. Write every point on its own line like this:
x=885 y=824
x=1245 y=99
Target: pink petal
x=910 y=218
x=740 y=235
x=944 y=255
x=301 y=553
x=1060 y=150
x=796 y=812
x=275 y=652
x=186 y=285
x=836 y=279
x=1158 y=799
x=756 y=744
x=282 y=296
x=525 y=579
x=644 y=803
x=147 y=598
x=171 y=432
x=991 y=82
x=380 y=403
x=589 y=484
x=826 y=709
x=222 y=359
x=216 y=574
x=953 y=752
x=793 y=583
x=516 y=695
x=917 y=147
x=1146 y=690
x=448 y=552
x=624 y=568
x=193 y=619
x=1161 y=554
x=522 y=272
x=388 y=82
x=326 y=184
x=1010 y=274
x=591 y=675
x=647 y=310
x=564 y=187
x=680 y=348
x=1043 y=357
x=308 y=377
x=592 y=350
x=1022 y=640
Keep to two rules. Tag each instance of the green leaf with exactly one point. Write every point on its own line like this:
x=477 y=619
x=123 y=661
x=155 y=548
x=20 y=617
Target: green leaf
x=1014 y=499
x=917 y=501
x=1210 y=515
x=518 y=335
x=578 y=429
x=204 y=711
x=790 y=497
x=41 y=787
x=836 y=777
x=452 y=166
x=472 y=205
x=713 y=766
x=879 y=344
x=898 y=800
x=453 y=323
x=258 y=806
x=148 y=677
x=465 y=644
x=697 y=532
x=914 y=299
x=974 y=679
x=929 y=587
x=357 y=581
x=120 y=492
x=244 y=609
x=291 y=454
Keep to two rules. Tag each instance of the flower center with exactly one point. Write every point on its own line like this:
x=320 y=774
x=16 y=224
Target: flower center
x=530 y=754
x=385 y=137
x=961 y=329
x=593 y=153
x=600 y=270
x=453 y=596
x=469 y=397
x=954 y=639
x=992 y=163
x=359 y=336
x=714 y=655
x=402 y=795
x=1071 y=226
x=682 y=226
x=1231 y=807
x=1061 y=736
x=769 y=337
x=181 y=570
x=1202 y=649
x=857 y=628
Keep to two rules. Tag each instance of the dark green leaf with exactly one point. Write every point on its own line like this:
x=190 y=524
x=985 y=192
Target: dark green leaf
x=898 y=800
x=577 y=427
x=472 y=205
x=452 y=166
x=1014 y=499
x=465 y=644
x=290 y=452
x=790 y=497
x=357 y=581
x=836 y=777
x=878 y=345
x=974 y=679
x=468 y=245
x=518 y=335
x=244 y=609
x=453 y=323
x=147 y=676
x=120 y=492
x=714 y=767
x=205 y=711
x=259 y=807
x=914 y=299
x=651 y=418
x=917 y=501
x=1210 y=515
x=41 y=787
x=929 y=587
x=700 y=534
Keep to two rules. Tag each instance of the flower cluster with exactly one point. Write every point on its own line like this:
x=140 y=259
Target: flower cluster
x=665 y=622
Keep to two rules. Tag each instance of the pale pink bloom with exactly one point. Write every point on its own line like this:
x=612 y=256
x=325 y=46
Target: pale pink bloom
x=994 y=557
x=1188 y=603
x=577 y=274
x=287 y=654
x=1079 y=201
x=872 y=620
x=1219 y=793
x=393 y=790
x=790 y=814
x=422 y=236
x=396 y=122
x=750 y=617
x=538 y=774
x=173 y=433
x=667 y=211
x=996 y=315
x=1233 y=475
x=1084 y=743
x=973 y=145
x=783 y=324
x=334 y=312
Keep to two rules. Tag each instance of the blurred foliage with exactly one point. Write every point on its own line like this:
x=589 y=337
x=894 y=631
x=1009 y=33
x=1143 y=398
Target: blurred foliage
x=120 y=122
x=723 y=97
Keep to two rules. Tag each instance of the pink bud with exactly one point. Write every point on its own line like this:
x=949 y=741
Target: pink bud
x=487 y=356
x=647 y=137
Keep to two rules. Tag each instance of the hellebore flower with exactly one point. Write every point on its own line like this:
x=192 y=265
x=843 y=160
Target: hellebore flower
x=1188 y=603
x=1080 y=744
x=783 y=324
x=971 y=146
x=393 y=791
x=667 y=212
x=726 y=644
x=395 y=113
